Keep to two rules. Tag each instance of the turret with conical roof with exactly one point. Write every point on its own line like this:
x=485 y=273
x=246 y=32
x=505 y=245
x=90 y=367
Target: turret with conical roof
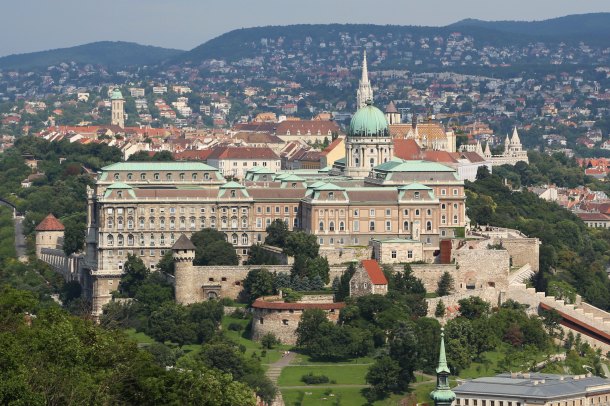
x=487 y=152
x=515 y=140
x=442 y=395
x=365 y=91
x=183 y=252
x=392 y=114
x=49 y=234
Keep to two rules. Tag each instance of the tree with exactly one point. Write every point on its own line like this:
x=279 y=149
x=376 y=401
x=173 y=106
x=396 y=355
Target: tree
x=318 y=267
x=258 y=282
x=384 y=377
x=166 y=263
x=309 y=326
x=341 y=284
x=170 y=323
x=403 y=348
x=258 y=255
x=74 y=237
x=212 y=248
x=445 y=284
x=473 y=307
x=135 y=272
x=269 y=340
x=277 y=233
x=440 y=309
x=301 y=243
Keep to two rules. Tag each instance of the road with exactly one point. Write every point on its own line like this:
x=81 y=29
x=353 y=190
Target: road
x=20 y=247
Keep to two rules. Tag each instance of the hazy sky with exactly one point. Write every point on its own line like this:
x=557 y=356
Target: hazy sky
x=33 y=25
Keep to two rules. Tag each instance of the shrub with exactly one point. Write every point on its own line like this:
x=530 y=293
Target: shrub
x=311 y=379
x=236 y=327
x=239 y=314
x=269 y=341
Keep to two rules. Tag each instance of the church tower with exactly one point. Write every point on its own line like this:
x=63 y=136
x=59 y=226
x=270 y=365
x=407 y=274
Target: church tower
x=118 y=108
x=442 y=395
x=365 y=91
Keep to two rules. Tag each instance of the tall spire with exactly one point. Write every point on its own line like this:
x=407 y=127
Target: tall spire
x=365 y=70
x=515 y=138
x=442 y=395
x=365 y=91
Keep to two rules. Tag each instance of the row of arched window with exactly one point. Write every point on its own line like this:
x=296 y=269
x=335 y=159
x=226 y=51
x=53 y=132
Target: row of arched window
x=168 y=176
x=129 y=240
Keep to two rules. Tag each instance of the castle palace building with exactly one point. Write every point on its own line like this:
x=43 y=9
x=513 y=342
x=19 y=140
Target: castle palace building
x=142 y=208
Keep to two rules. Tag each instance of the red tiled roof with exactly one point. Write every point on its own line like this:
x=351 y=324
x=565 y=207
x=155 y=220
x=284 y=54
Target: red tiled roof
x=374 y=270
x=332 y=146
x=50 y=223
x=307 y=126
x=188 y=155
x=593 y=216
x=439 y=156
x=407 y=149
x=262 y=304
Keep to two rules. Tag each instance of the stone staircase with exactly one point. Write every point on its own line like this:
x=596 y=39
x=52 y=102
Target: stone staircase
x=521 y=275
x=273 y=373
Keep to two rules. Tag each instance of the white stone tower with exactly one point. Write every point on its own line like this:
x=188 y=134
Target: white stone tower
x=49 y=234
x=365 y=91
x=118 y=108
x=183 y=252
x=392 y=114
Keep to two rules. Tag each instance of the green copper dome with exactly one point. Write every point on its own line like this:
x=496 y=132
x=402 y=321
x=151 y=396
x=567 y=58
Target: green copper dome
x=116 y=94
x=368 y=121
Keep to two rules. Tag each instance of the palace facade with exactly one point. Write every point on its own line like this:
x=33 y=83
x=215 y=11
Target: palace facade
x=142 y=208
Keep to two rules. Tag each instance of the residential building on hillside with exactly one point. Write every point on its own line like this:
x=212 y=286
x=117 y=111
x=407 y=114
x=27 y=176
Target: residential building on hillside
x=237 y=161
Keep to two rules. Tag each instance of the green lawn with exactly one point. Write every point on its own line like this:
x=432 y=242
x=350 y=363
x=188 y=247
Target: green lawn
x=337 y=396
x=140 y=338
x=343 y=375
x=304 y=359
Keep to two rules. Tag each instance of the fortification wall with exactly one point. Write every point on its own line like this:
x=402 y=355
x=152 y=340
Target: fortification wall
x=523 y=251
x=481 y=268
x=337 y=256
x=282 y=323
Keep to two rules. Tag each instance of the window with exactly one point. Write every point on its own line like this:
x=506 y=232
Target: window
x=152 y=240
x=321 y=226
x=268 y=209
x=455 y=192
x=244 y=239
x=388 y=212
x=410 y=254
x=142 y=176
x=194 y=176
x=234 y=239
x=141 y=222
x=321 y=241
x=455 y=219
x=428 y=212
x=417 y=212
x=244 y=222
x=130 y=223
x=388 y=226
x=405 y=225
x=443 y=206
x=277 y=209
x=110 y=222
x=120 y=223
x=120 y=240
x=181 y=176
x=130 y=240
x=331 y=226
x=356 y=225
x=406 y=212
x=331 y=195
x=356 y=212
x=393 y=254
x=168 y=176
x=116 y=176
x=233 y=194
x=130 y=176
x=443 y=219
x=341 y=226
x=443 y=192
x=192 y=222
x=285 y=322
x=428 y=226
x=172 y=223
x=156 y=176
x=416 y=195
x=110 y=240
x=372 y=226
x=259 y=222
x=372 y=213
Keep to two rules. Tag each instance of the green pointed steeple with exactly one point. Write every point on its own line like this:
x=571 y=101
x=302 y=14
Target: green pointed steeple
x=442 y=395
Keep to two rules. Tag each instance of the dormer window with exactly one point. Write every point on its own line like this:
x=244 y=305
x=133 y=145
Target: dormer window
x=142 y=176
x=331 y=195
x=116 y=176
x=181 y=176
x=194 y=176
x=168 y=176
x=119 y=194
x=233 y=194
x=416 y=195
x=206 y=176
x=156 y=176
x=129 y=176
